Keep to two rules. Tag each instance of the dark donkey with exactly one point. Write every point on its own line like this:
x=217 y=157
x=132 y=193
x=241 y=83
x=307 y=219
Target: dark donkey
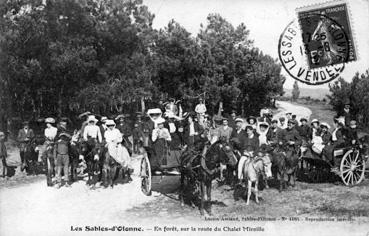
x=30 y=157
x=279 y=168
x=90 y=151
x=198 y=170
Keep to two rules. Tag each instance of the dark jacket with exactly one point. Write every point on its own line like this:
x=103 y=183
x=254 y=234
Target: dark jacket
x=291 y=135
x=274 y=135
x=239 y=139
x=326 y=137
x=352 y=135
x=231 y=123
x=252 y=144
x=24 y=137
x=125 y=129
x=304 y=131
x=102 y=130
x=198 y=129
x=3 y=152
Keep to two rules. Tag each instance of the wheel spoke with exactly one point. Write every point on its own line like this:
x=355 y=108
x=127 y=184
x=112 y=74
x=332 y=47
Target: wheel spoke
x=347 y=167
x=356 y=156
x=349 y=160
x=345 y=175
x=349 y=177
x=354 y=178
x=345 y=171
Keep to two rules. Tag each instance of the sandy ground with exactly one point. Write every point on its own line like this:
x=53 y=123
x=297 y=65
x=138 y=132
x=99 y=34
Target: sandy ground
x=28 y=207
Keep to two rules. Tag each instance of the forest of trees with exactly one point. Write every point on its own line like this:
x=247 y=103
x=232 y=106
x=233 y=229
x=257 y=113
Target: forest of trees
x=356 y=92
x=59 y=58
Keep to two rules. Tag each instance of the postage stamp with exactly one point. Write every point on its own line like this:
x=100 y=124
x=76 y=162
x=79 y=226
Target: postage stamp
x=292 y=55
x=327 y=34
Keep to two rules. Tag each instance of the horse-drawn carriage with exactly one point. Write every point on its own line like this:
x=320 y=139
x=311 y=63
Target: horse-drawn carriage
x=165 y=162
x=350 y=160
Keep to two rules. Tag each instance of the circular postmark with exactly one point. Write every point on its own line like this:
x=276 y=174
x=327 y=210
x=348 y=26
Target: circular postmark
x=297 y=57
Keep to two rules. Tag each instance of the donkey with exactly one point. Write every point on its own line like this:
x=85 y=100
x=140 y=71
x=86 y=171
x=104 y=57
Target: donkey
x=199 y=170
x=253 y=170
x=91 y=151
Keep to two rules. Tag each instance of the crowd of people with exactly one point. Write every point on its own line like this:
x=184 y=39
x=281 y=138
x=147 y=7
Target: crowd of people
x=169 y=127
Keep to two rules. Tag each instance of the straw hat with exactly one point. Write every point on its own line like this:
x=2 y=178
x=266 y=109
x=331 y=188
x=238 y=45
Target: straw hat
x=238 y=120
x=50 y=120
x=160 y=120
x=92 y=118
x=109 y=123
x=325 y=124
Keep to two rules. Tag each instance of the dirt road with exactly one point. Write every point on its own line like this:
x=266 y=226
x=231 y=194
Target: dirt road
x=34 y=209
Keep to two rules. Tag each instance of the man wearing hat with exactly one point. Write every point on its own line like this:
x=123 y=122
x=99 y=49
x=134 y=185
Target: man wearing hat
x=225 y=131
x=274 y=133
x=3 y=154
x=50 y=134
x=291 y=138
x=200 y=110
x=61 y=156
x=25 y=136
x=282 y=122
x=92 y=131
x=192 y=131
x=238 y=135
x=62 y=125
x=347 y=113
x=103 y=126
x=304 y=130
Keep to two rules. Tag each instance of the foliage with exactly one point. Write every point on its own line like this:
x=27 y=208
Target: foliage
x=356 y=92
x=103 y=55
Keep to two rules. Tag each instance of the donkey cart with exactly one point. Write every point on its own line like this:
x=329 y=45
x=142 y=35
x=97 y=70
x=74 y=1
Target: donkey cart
x=350 y=160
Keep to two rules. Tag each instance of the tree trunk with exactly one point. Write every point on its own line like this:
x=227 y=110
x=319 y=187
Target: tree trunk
x=220 y=108
x=60 y=102
x=143 y=108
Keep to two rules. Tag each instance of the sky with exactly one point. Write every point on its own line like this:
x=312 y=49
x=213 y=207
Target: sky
x=266 y=19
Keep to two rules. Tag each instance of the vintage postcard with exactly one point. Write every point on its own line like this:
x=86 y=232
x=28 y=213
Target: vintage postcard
x=184 y=117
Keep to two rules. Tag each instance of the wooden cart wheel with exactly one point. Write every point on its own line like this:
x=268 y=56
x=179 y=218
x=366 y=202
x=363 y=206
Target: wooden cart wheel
x=352 y=168
x=145 y=176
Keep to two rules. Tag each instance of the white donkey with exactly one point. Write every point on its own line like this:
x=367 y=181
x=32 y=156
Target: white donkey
x=253 y=169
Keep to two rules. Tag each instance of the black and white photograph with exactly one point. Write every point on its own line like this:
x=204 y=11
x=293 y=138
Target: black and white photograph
x=184 y=117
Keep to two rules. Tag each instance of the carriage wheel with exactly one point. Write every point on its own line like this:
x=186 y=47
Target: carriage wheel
x=352 y=168
x=145 y=176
